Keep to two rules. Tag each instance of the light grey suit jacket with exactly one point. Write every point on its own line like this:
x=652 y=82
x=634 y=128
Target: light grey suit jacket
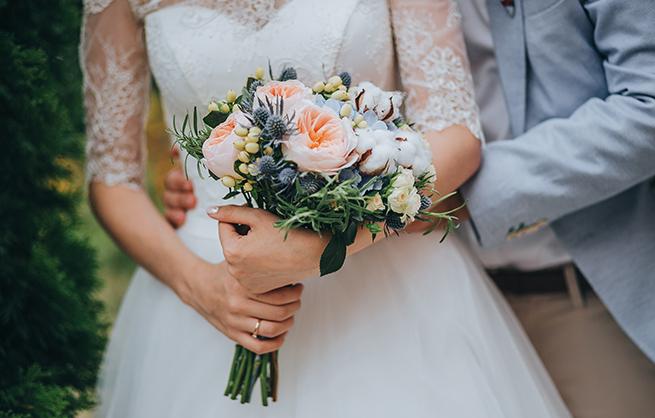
x=579 y=82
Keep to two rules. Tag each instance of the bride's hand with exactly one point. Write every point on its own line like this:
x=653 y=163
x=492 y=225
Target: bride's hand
x=234 y=311
x=262 y=259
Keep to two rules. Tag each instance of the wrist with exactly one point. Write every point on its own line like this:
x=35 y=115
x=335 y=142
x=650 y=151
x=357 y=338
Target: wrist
x=192 y=279
x=312 y=245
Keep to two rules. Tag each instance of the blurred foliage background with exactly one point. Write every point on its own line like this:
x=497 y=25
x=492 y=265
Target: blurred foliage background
x=61 y=276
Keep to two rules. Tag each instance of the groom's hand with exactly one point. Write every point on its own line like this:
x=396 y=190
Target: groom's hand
x=263 y=259
x=178 y=197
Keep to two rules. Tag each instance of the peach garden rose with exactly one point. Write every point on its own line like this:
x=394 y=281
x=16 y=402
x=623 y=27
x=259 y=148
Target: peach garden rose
x=293 y=92
x=323 y=143
x=218 y=150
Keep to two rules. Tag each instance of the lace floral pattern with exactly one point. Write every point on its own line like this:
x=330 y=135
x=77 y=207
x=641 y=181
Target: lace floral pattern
x=253 y=12
x=114 y=96
x=116 y=81
x=433 y=65
x=95 y=6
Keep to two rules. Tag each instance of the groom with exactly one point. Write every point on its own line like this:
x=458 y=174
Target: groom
x=566 y=90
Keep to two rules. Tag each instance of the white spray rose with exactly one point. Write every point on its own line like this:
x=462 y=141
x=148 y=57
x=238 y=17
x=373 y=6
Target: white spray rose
x=404 y=179
x=405 y=201
x=375 y=203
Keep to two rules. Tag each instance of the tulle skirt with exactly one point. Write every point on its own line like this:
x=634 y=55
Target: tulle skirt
x=408 y=328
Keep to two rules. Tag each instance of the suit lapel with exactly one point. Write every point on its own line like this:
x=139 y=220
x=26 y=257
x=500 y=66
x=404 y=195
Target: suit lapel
x=509 y=41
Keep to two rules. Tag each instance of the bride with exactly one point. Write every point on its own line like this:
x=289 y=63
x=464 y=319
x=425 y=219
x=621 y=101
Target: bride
x=408 y=327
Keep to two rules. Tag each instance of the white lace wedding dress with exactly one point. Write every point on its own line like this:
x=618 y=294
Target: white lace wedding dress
x=409 y=327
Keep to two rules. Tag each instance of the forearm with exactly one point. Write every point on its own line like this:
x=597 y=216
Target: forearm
x=561 y=166
x=136 y=225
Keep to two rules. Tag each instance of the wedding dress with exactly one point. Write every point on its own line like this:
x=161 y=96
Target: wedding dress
x=409 y=327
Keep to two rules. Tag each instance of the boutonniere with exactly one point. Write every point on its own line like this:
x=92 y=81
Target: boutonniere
x=509 y=6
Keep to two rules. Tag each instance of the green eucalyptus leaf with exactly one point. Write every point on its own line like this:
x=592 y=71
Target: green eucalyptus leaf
x=195 y=121
x=334 y=254
x=350 y=234
x=213 y=119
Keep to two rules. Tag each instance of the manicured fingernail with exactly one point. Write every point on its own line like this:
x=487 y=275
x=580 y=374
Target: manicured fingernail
x=213 y=210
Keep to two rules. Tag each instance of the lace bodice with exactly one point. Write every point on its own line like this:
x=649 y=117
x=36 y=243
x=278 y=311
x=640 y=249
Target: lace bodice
x=199 y=48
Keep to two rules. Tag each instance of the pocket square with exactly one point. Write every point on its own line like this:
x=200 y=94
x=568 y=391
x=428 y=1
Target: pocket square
x=509 y=6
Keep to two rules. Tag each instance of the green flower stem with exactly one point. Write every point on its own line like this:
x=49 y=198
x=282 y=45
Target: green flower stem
x=263 y=379
x=240 y=374
x=233 y=371
x=246 y=382
x=255 y=376
x=274 y=375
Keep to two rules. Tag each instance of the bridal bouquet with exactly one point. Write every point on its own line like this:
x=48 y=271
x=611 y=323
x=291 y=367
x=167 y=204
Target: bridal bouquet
x=333 y=158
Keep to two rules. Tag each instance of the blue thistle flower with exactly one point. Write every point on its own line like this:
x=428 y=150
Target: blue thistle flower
x=260 y=116
x=393 y=221
x=350 y=173
x=310 y=184
x=346 y=79
x=275 y=127
x=246 y=104
x=426 y=202
x=287 y=176
x=289 y=73
x=267 y=166
x=254 y=85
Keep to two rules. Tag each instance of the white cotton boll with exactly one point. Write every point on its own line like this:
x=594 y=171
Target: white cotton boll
x=367 y=96
x=406 y=153
x=414 y=152
x=379 y=160
x=365 y=141
x=388 y=105
x=385 y=104
x=422 y=164
x=378 y=151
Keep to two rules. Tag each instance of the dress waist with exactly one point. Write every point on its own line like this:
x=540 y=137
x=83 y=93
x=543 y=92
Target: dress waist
x=199 y=224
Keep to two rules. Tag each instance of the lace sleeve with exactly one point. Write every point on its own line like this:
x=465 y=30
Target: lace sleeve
x=116 y=84
x=434 y=67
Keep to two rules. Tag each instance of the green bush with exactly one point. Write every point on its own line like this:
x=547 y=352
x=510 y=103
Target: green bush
x=51 y=335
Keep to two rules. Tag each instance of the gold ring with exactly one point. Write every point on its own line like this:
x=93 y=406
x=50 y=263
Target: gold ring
x=256 y=330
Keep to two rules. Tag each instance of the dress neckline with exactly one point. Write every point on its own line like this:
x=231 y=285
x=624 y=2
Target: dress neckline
x=254 y=12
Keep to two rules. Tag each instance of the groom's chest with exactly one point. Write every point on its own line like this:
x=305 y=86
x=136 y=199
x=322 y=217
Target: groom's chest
x=546 y=56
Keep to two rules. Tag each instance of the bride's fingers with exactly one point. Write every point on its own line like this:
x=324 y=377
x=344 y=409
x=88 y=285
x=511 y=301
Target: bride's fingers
x=268 y=329
x=281 y=296
x=268 y=312
x=259 y=346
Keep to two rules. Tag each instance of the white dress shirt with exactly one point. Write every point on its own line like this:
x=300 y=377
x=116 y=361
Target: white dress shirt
x=535 y=251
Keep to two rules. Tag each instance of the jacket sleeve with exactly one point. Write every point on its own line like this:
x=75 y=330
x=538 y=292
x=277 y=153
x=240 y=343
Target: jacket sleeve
x=605 y=147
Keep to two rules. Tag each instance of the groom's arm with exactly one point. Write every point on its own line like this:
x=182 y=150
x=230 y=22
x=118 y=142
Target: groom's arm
x=604 y=148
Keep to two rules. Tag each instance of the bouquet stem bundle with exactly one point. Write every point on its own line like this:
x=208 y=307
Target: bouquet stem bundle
x=247 y=368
